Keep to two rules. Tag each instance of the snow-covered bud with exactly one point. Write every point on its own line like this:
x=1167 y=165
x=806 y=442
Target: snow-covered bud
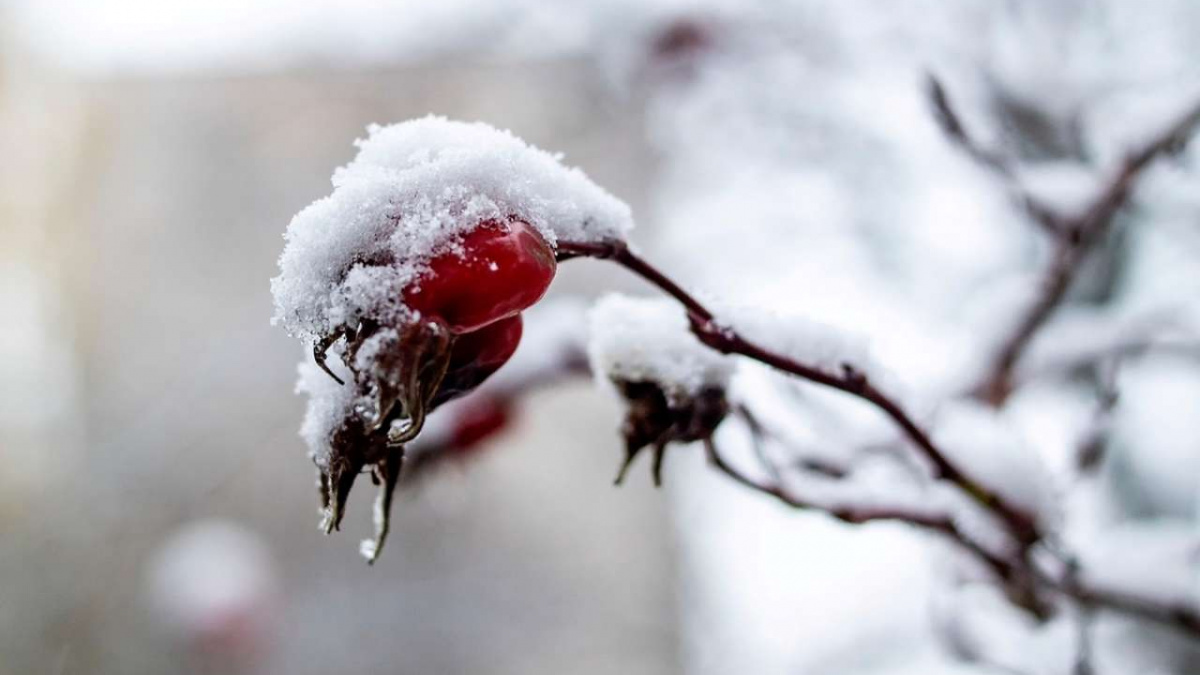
x=673 y=385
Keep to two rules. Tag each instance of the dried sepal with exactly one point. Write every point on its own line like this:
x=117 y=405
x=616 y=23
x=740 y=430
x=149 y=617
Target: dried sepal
x=395 y=375
x=655 y=418
x=385 y=474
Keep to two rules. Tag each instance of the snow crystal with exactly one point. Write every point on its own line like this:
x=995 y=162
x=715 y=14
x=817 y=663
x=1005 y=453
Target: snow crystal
x=410 y=194
x=649 y=339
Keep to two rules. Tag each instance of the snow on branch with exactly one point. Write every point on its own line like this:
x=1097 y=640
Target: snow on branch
x=648 y=340
x=850 y=378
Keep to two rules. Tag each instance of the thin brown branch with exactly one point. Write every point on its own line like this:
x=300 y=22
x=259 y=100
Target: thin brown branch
x=1021 y=582
x=760 y=434
x=1074 y=242
x=852 y=381
x=1019 y=576
x=1006 y=571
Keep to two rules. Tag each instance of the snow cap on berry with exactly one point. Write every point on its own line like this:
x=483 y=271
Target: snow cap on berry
x=409 y=195
x=649 y=340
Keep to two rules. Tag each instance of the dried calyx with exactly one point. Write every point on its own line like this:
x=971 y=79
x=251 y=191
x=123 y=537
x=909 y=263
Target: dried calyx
x=656 y=419
x=396 y=374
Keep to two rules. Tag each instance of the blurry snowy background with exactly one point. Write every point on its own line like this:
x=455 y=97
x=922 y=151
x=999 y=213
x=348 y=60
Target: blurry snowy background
x=157 y=513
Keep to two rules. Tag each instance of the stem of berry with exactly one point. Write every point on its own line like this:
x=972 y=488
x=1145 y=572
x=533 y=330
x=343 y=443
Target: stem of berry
x=853 y=381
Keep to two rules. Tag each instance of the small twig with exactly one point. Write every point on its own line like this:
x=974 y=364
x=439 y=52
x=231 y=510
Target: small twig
x=1131 y=348
x=1089 y=453
x=1020 y=580
x=1006 y=571
x=1178 y=615
x=1083 y=649
x=758 y=434
x=808 y=462
x=951 y=124
x=726 y=340
x=1074 y=242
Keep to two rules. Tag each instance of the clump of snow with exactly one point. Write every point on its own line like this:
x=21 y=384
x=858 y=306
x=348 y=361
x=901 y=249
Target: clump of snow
x=329 y=405
x=649 y=340
x=411 y=193
x=812 y=343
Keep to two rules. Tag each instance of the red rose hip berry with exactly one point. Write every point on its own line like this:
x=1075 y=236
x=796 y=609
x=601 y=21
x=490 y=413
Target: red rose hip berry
x=475 y=356
x=500 y=269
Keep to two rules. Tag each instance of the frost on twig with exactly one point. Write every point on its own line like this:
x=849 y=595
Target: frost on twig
x=1080 y=338
x=648 y=340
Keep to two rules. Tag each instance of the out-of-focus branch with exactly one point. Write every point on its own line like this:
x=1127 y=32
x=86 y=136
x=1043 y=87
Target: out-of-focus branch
x=1179 y=615
x=851 y=380
x=951 y=124
x=859 y=514
x=1023 y=581
x=1090 y=451
x=1116 y=351
x=1083 y=648
x=810 y=463
x=1075 y=239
